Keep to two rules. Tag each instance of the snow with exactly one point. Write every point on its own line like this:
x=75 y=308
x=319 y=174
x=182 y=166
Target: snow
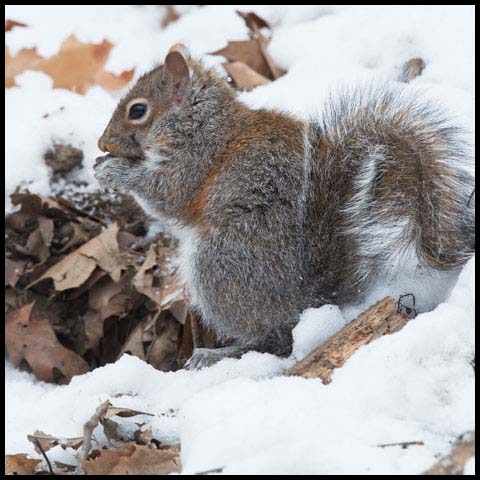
x=243 y=415
x=307 y=334
x=469 y=468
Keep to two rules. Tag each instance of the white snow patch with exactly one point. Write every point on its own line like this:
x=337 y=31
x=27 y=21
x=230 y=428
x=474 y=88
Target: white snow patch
x=469 y=468
x=315 y=326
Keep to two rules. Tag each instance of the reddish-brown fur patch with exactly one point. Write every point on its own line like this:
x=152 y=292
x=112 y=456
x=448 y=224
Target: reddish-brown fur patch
x=251 y=129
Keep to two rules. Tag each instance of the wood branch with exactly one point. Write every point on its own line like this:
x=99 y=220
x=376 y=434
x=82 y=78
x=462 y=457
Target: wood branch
x=380 y=319
x=88 y=429
x=454 y=463
x=404 y=445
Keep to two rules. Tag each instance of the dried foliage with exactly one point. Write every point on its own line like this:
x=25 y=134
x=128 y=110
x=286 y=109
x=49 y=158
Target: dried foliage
x=249 y=63
x=77 y=66
x=79 y=293
x=20 y=464
x=10 y=24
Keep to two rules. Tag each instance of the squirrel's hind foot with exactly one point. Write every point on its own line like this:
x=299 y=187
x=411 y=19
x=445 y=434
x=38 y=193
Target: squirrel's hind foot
x=205 y=357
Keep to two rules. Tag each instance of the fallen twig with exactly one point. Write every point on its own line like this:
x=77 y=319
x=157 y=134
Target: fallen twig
x=88 y=429
x=401 y=444
x=213 y=470
x=380 y=319
x=39 y=445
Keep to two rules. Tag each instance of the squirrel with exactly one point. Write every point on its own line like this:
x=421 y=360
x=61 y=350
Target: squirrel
x=275 y=214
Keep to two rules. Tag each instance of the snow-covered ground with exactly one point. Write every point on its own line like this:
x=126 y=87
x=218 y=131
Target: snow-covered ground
x=416 y=385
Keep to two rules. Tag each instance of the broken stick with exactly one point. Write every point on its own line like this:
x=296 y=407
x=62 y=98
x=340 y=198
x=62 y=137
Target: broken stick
x=380 y=319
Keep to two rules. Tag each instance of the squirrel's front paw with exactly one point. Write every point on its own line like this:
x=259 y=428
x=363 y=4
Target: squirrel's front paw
x=113 y=173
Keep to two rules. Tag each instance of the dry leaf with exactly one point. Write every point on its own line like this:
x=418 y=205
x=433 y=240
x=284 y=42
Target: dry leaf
x=171 y=289
x=105 y=300
x=275 y=72
x=20 y=464
x=124 y=412
x=143 y=437
x=252 y=53
x=253 y=21
x=250 y=65
x=162 y=352
x=143 y=281
x=25 y=59
x=134 y=460
x=170 y=16
x=38 y=242
x=77 y=66
x=13 y=271
x=78 y=236
x=35 y=342
x=134 y=343
x=49 y=441
x=243 y=76
x=45 y=441
x=9 y=24
x=75 y=269
x=248 y=52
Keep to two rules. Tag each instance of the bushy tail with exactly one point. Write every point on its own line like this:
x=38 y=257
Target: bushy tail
x=407 y=175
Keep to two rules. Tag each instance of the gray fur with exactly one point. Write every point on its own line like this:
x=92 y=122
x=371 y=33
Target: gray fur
x=287 y=214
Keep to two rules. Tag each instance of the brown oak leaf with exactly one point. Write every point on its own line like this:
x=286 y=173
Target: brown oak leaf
x=134 y=460
x=35 y=342
x=20 y=464
x=243 y=76
x=77 y=66
x=253 y=21
x=9 y=24
x=75 y=269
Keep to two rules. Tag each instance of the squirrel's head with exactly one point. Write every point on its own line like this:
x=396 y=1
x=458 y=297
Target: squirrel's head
x=161 y=98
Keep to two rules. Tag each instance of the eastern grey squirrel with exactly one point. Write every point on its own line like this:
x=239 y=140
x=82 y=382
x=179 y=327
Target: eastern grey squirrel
x=275 y=214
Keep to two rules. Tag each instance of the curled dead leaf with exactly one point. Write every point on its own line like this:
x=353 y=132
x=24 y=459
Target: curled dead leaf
x=47 y=441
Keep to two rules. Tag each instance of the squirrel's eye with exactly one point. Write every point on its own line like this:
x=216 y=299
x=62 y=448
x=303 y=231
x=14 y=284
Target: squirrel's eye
x=137 y=110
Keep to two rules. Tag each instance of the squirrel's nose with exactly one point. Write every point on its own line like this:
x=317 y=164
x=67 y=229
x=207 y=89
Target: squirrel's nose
x=102 y=145
x=109 y=147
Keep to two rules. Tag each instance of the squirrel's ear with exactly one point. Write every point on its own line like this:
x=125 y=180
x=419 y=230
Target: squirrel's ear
x=178 y=74
x=181 y=48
